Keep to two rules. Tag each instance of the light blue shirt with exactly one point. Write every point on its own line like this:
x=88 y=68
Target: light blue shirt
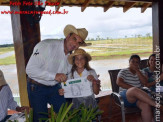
x=6 y=101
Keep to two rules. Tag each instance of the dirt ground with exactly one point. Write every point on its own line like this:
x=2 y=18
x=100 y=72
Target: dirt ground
x=101 y=67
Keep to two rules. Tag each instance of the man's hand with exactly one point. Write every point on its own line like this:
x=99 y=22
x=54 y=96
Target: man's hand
x=90 y=78
x=60 y=77
x=22 y=109
x=61 y=92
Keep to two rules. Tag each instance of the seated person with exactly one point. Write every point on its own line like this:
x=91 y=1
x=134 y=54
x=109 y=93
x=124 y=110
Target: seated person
x=151 y=75
x=130 y=80
x=7 y=100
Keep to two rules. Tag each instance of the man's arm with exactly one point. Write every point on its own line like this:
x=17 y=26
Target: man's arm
x=36 y=67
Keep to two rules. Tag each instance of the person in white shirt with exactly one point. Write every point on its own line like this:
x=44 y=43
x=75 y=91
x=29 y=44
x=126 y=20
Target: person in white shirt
x=7 y=100
x=80 y=68
x=48 y=66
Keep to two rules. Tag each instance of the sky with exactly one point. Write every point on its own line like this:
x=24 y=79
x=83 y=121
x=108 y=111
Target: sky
x=112 y=24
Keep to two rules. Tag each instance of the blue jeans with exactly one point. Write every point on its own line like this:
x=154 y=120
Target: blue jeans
x=39 y=96
x=126 y=102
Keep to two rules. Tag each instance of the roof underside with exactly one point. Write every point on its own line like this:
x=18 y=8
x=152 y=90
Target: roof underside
x=106 y=4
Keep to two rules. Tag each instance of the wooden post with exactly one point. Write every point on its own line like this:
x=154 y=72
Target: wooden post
x=25 y=37
x=157 y=21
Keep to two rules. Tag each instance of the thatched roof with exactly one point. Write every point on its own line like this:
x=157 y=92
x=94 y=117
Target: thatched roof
x=106 y=4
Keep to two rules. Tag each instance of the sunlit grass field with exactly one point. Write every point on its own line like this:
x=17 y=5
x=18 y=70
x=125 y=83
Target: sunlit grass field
x=5 y=49
x=8 y=60
x=104 y=49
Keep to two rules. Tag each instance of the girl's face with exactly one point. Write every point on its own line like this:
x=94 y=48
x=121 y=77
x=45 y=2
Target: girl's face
x=80 y=61
x=152 y=61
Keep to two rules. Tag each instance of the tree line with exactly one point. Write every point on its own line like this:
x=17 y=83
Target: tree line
x=7 y=45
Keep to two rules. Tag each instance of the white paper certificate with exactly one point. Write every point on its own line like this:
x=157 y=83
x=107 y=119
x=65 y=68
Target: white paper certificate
x=79 y=87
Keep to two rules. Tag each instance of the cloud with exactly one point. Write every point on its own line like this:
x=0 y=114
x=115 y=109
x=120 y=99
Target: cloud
x=113 y=23
x=5 y=27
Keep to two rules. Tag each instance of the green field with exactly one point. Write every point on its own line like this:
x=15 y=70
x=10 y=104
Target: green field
x=118 y=48
x=104 y=49
x=5 y=49
x=8 y=60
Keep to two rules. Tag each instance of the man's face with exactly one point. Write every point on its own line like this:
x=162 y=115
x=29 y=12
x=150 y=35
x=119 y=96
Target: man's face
x=134 y=63
x=72 y=42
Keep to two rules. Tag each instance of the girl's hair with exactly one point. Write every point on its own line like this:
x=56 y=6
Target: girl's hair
x=74 y=67
x=135 y=56
x=154 y=55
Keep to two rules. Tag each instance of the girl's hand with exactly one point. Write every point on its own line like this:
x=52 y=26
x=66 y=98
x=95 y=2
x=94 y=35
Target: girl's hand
x=90 y=78
x=61 y=92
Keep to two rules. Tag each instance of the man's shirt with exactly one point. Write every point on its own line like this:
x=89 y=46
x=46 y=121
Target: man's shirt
x=48 y=59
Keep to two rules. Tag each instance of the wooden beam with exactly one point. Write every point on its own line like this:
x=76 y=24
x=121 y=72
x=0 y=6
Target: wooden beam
x=25 y=37
x=157 y=24
x=128 y=5
x=147 y=1
x=108 y=5
x=60 y=4
x=84 y=6
x=145 y=6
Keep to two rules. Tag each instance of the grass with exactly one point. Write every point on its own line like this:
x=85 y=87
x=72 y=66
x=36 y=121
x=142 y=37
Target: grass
x=6 y=49
x=8 y=60
x=105 y=49
x=118 y=48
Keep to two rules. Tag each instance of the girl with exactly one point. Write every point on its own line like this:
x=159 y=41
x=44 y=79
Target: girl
x=80 y=68
x=151 y=75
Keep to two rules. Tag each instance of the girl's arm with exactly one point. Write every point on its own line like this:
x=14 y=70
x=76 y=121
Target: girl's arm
x=150 y=84
x=96 y=83
x=96 y=86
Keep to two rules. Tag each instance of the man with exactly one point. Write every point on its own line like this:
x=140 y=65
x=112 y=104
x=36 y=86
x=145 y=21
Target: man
x=48 y=66
x=7 y=100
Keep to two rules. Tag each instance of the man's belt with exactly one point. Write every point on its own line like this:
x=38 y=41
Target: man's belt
x=35 y=82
